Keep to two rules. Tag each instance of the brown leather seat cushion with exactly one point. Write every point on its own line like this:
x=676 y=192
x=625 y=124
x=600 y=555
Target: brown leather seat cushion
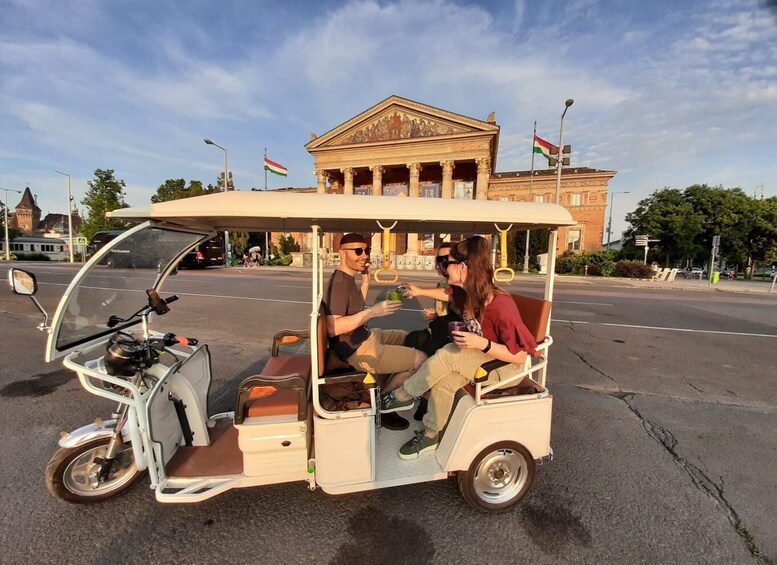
x=287 y=365
x=282 y=402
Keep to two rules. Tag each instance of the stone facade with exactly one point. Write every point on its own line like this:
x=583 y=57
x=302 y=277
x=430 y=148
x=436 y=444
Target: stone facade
x=583 y=193
x=403 y=148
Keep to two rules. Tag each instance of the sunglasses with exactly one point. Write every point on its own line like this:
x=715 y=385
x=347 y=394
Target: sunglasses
x=448 y=262
x=440 y=259
x=358 y=250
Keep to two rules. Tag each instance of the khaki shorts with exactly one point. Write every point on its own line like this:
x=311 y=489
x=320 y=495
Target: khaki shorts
x=383 y=353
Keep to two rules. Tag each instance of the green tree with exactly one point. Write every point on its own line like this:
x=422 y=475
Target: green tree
x=239 y=242
x=287 y=244
x=13 y=232
x=105 y=194
x=667 y=216
x=175 y=189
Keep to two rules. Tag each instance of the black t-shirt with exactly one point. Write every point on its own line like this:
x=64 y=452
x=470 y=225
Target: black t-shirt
x=343 y=298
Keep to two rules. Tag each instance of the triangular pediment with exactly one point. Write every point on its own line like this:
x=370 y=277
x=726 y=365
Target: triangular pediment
x=397 y=119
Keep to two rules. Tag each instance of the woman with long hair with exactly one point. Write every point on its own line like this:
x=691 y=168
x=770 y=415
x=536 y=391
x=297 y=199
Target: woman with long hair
x=494 y=330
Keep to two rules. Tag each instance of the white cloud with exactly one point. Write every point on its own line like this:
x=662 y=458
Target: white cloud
x=647 y=79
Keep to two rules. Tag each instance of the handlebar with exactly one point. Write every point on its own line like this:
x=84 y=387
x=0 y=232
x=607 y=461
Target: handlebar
x=172 y=339
x=171 y=298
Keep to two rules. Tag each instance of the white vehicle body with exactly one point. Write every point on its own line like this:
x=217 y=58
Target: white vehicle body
x=338 y=451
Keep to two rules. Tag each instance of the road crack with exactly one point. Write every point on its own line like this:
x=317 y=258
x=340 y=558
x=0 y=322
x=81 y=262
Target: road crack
x=699 y=478
x=587 y=362
x=694 y=387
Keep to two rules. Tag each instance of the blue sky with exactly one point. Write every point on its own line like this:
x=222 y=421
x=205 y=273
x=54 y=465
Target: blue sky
x=666 y=93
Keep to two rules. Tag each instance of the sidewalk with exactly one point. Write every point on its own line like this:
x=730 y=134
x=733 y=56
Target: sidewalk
x=737 y=286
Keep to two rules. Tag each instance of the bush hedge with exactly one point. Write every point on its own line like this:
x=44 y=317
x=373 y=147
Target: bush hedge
x=31 y=256
x=631 y=270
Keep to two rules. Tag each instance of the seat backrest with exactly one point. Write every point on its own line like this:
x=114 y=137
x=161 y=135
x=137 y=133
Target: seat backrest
x=535 y=313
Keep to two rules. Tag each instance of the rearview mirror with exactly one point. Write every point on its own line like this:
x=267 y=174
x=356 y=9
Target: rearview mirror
x=22 y=282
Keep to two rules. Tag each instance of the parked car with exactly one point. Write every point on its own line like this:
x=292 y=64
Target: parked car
x=694 y=273
x=208 y=254
x=765 y=273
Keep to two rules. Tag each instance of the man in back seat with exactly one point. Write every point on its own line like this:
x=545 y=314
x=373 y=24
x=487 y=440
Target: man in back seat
x=377 y=351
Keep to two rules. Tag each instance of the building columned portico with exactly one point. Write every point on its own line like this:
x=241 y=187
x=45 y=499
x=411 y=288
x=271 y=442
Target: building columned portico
x=402 y=148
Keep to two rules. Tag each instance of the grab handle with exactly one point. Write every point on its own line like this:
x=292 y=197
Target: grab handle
x=386 y=266
x=503 y=273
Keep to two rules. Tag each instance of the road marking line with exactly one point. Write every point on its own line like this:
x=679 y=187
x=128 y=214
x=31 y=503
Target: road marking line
x=191 y=294
x=687 y=330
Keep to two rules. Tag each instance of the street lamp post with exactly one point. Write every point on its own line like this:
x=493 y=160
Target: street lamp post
x=553 y=243
x=5 y=209
x=609 y=222
x=227 y=249
x=567 y=104
x=69 y=216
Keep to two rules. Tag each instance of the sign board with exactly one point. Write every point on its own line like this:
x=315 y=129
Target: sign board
x=641 y=240
x=715 y=241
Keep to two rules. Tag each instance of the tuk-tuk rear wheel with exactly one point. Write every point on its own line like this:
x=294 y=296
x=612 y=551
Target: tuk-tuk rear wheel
x=498 y=478
x=71 y=474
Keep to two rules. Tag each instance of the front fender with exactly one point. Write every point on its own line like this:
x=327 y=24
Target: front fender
x=95 y=430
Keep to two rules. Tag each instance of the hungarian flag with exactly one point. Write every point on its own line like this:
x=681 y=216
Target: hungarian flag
x=542 y=147
x=274 y=167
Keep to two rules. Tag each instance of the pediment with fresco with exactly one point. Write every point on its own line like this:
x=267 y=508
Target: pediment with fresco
x=398 y=124
x=397 y=119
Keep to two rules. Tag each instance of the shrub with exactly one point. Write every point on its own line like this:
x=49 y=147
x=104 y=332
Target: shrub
x=282 y=261
x=287 y=244
x=600 y=263
x=632 y=270
x=31 y=256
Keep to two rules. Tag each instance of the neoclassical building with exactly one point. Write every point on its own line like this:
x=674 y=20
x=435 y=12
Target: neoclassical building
x=402 y=148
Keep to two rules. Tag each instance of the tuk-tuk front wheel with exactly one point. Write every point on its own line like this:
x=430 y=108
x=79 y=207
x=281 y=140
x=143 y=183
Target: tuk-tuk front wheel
x=498 y=478
x=72 y=474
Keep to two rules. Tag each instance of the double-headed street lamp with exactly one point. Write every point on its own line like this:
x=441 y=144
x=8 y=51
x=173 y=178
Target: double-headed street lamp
x=5 y=208
x=69 y=216
x=226 y=180
x=609 y=222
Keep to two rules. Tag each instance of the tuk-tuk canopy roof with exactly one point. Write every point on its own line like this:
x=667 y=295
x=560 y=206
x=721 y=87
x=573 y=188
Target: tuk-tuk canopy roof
x=283 y=211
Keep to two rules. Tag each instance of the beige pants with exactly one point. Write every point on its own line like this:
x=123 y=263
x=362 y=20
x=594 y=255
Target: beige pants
x=442 y=375
x=383 y=353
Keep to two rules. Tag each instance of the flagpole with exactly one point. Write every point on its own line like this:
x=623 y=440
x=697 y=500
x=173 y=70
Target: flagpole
x=266 y=234
x=531 y=183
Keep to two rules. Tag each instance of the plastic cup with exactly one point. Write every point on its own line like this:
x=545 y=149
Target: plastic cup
x=456 y=327
x=395 y=295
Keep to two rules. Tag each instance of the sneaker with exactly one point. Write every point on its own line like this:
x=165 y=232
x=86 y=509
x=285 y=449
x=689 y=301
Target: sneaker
x=419 y=445
x=390 y=403
x=393 y=421
x=420 y=412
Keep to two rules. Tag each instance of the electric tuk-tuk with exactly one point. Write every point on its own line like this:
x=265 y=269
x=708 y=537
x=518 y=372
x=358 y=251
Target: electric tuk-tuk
x=107 y=331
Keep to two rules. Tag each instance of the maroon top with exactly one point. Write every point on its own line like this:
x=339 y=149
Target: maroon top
x=500 y=322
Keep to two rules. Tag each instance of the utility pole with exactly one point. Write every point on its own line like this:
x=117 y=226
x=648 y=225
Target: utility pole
x=5 y=209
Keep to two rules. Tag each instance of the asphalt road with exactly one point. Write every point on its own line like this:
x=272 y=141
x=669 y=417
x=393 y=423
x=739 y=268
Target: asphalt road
x=665 y=407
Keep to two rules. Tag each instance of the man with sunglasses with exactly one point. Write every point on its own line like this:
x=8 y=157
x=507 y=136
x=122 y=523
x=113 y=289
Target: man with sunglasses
x=375 y=350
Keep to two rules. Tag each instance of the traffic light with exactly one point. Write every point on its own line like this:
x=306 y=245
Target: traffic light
x=230 y=183
x=567 y=150
x=553 y=161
